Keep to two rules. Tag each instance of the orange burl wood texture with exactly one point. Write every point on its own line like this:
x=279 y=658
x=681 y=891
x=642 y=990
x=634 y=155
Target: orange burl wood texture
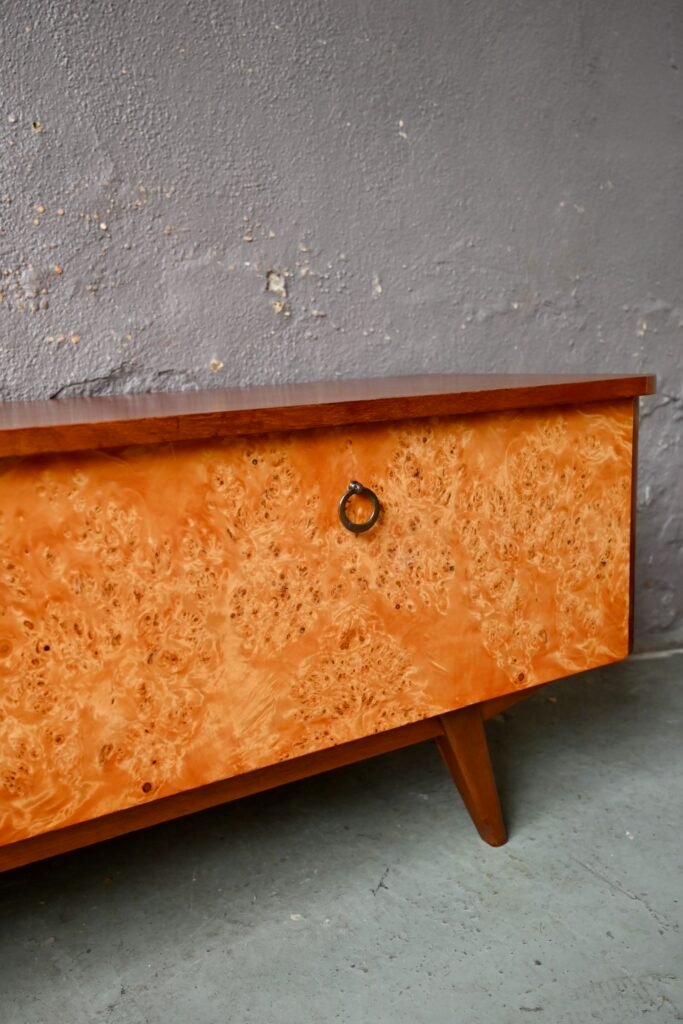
x=173 y=615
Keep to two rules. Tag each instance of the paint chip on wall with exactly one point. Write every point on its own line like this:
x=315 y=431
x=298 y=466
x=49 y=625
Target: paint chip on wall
x=276 y=282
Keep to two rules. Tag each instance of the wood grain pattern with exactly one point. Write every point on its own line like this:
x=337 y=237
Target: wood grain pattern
x=73 y=424
x=172 y=616
x=85 y=833
x=465 y=752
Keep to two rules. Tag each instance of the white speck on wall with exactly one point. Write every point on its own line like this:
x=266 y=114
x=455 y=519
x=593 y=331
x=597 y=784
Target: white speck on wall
x=376 y=286
x=642 y=328
x=401 y=130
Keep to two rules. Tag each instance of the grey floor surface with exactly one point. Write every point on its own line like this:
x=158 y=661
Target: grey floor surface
x=365 y=894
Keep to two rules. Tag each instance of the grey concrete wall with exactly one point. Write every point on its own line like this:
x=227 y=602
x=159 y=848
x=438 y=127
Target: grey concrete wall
x=490 y=185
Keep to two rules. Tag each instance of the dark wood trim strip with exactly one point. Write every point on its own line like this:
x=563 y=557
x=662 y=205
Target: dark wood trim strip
x=86 y=833
x=634 y=518
x=73 y=424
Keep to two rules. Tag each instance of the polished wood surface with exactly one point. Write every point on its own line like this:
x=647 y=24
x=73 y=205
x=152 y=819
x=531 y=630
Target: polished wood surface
x=465 y=752
x=459 y=736
x=132 y=819
x=71 y=424
x=176 y=615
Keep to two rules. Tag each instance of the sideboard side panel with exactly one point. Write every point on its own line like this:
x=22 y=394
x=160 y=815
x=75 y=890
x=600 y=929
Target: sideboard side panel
x=635 y=430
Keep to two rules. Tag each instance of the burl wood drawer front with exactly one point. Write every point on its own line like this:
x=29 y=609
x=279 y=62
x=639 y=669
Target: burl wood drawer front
x=174 y=615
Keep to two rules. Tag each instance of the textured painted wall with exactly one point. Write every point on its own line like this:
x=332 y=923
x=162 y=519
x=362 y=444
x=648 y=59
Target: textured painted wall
x=205 y=193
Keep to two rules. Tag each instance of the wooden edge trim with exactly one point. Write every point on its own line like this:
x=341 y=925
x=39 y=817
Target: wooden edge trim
x=49 y=844
x=634 y=508
x=160 y=423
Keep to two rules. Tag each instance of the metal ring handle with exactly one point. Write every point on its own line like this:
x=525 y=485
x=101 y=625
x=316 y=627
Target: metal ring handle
x=356 y=489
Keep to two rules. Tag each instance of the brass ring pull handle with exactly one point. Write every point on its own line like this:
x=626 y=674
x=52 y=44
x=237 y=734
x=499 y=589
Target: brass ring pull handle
x=353 y=489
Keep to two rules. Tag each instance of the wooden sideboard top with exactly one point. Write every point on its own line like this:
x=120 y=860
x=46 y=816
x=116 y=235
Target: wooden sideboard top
x=72 y=424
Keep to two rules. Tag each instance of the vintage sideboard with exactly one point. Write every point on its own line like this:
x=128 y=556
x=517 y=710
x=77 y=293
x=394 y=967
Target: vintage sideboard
x=206 y=594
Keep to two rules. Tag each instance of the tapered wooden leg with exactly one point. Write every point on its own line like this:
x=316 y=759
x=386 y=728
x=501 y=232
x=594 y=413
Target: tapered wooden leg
x=464 y=748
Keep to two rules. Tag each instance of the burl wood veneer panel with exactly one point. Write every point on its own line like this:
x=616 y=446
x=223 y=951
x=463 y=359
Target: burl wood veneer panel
x=174 y=615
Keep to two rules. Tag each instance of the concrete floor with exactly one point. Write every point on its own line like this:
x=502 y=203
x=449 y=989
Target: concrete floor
x=366 y=896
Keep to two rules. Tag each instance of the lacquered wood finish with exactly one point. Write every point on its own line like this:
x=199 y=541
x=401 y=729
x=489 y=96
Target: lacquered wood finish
x=72 y=424
x=465 y=752
x=172 y=616
x=132 y=819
